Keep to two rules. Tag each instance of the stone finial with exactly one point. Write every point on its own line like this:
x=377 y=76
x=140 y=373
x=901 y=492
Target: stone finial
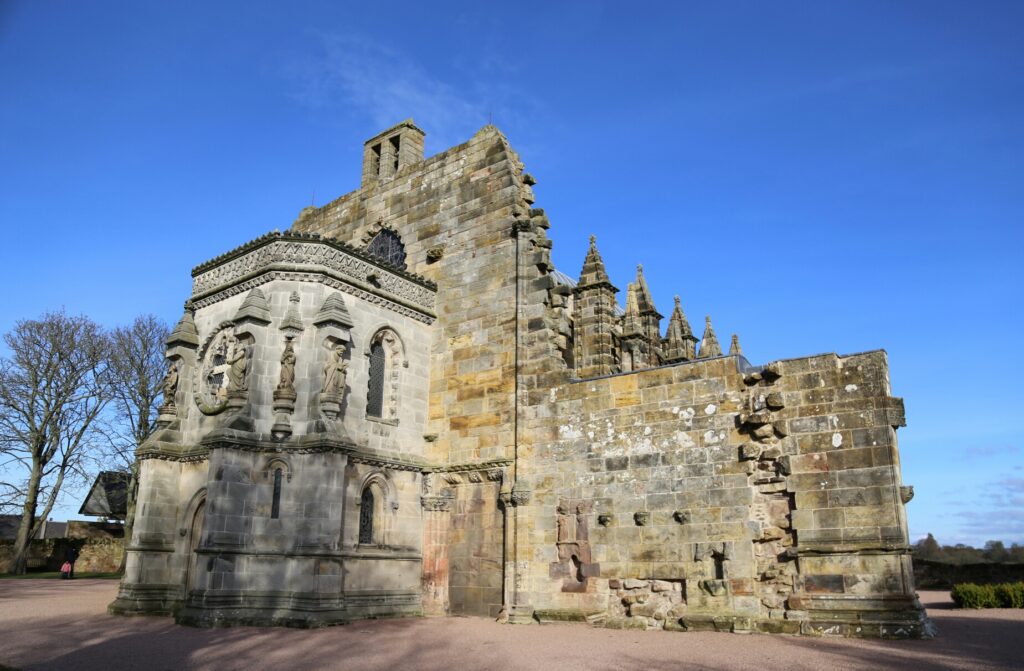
x=254 y=308
x=643 y=295
x=680 y=343
x=184 y=332
x=631 y=323
x=593 y=268
x=735 y=348
x=333 y=313
x=709 y=346
x=292 y=319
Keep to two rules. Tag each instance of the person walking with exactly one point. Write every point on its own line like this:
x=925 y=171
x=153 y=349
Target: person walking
x=70 y=557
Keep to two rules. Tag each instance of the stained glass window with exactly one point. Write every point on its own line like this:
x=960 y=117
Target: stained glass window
x=375 y=393
x=366 y=504
x=387 y=247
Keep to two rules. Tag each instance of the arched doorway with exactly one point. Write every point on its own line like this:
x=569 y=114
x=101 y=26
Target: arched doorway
x=195 y=532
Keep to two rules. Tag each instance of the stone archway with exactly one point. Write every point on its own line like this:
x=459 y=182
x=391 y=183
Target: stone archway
x=194 y=535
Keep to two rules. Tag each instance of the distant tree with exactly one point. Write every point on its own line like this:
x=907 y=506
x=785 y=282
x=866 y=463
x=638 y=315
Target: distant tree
x=929 y=548
x=995 y=551
x=53 y=387
x=1017 y=553
x=137 y=367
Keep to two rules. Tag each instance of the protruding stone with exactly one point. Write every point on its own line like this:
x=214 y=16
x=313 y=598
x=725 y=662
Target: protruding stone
x=749 y=451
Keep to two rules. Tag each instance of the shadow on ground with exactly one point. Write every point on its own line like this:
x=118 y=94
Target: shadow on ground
x=55 y=625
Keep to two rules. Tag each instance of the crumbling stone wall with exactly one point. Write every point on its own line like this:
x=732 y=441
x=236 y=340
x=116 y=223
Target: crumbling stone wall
x=768 y=496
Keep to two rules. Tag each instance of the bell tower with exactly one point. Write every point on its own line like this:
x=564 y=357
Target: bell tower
x=388 y=152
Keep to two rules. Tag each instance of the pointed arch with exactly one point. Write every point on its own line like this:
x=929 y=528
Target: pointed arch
x=385 y=354
x=387 y=246
x=377 y=503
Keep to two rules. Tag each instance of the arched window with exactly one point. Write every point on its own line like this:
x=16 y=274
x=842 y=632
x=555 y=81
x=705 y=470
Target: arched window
x=275 y=506
x=366 y=511
x=386 y=356
x=375 y=393
x=387 y=247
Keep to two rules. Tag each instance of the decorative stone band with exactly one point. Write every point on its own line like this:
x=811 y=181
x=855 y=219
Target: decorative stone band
x=179 y=453
x=312 y=260
x=318 y=444
x=473 y=472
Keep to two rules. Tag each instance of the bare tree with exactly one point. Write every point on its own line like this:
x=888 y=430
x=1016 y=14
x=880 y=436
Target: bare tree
x=53 y=386
x=137 y=367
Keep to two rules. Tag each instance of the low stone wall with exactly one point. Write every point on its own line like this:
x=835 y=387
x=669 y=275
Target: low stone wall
x=940 y=575
x=100 y=555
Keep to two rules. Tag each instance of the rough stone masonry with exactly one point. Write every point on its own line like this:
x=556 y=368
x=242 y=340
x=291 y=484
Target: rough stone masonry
x=399 y=406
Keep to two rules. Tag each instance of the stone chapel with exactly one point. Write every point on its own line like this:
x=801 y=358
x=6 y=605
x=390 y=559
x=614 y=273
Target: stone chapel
x=399 y=406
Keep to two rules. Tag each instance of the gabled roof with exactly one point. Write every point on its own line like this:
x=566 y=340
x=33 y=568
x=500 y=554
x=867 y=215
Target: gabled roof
x=108 y=496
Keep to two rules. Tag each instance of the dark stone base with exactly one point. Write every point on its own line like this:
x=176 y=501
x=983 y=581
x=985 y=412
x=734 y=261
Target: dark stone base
x=291 y=610
x=146 y=600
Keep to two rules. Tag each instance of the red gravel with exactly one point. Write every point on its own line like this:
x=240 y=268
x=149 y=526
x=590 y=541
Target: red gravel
x=50 y=624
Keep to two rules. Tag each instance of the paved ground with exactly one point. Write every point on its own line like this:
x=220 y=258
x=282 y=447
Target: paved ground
x=50 y=624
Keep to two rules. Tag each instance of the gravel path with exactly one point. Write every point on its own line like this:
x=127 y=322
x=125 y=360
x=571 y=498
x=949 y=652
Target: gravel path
x=50 y=624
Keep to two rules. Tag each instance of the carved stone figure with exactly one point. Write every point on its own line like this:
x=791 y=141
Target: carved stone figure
x=171 y=383
x=335 y=371
x=238 y=362
x=286 y=382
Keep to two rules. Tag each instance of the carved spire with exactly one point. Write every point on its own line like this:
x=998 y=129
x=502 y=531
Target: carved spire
x=709 y=346
x=735 y=348
x=254 y=308
x=680 y=343
x=333 y=312
x=184 y=332
x=631 y=322
x=593 y=268
x=292 y=320
x=643 y=294
x=594 y=318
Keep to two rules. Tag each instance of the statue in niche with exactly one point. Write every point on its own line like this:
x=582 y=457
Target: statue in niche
x=287 y=380
x=171 y=383
x=238 y=365
x=335 y=371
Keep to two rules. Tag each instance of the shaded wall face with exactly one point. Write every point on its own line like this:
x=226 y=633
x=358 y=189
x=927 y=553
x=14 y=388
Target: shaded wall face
x=475 y=542
x=747 y=490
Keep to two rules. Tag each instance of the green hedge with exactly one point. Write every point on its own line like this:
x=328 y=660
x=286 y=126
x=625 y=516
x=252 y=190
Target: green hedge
x=1007 y=595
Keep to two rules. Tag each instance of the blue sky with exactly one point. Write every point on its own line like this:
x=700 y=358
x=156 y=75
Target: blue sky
x=816 y=176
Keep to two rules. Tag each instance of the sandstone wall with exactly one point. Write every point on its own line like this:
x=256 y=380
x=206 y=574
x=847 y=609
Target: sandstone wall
x=760 y=494
x=454 y=213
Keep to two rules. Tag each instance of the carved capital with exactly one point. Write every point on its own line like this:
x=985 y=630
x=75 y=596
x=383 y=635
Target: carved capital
x=520 y=496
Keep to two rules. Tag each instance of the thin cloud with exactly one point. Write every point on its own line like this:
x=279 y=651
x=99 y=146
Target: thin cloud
x=987 y=451
x=388 y=85
x=998 y=515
